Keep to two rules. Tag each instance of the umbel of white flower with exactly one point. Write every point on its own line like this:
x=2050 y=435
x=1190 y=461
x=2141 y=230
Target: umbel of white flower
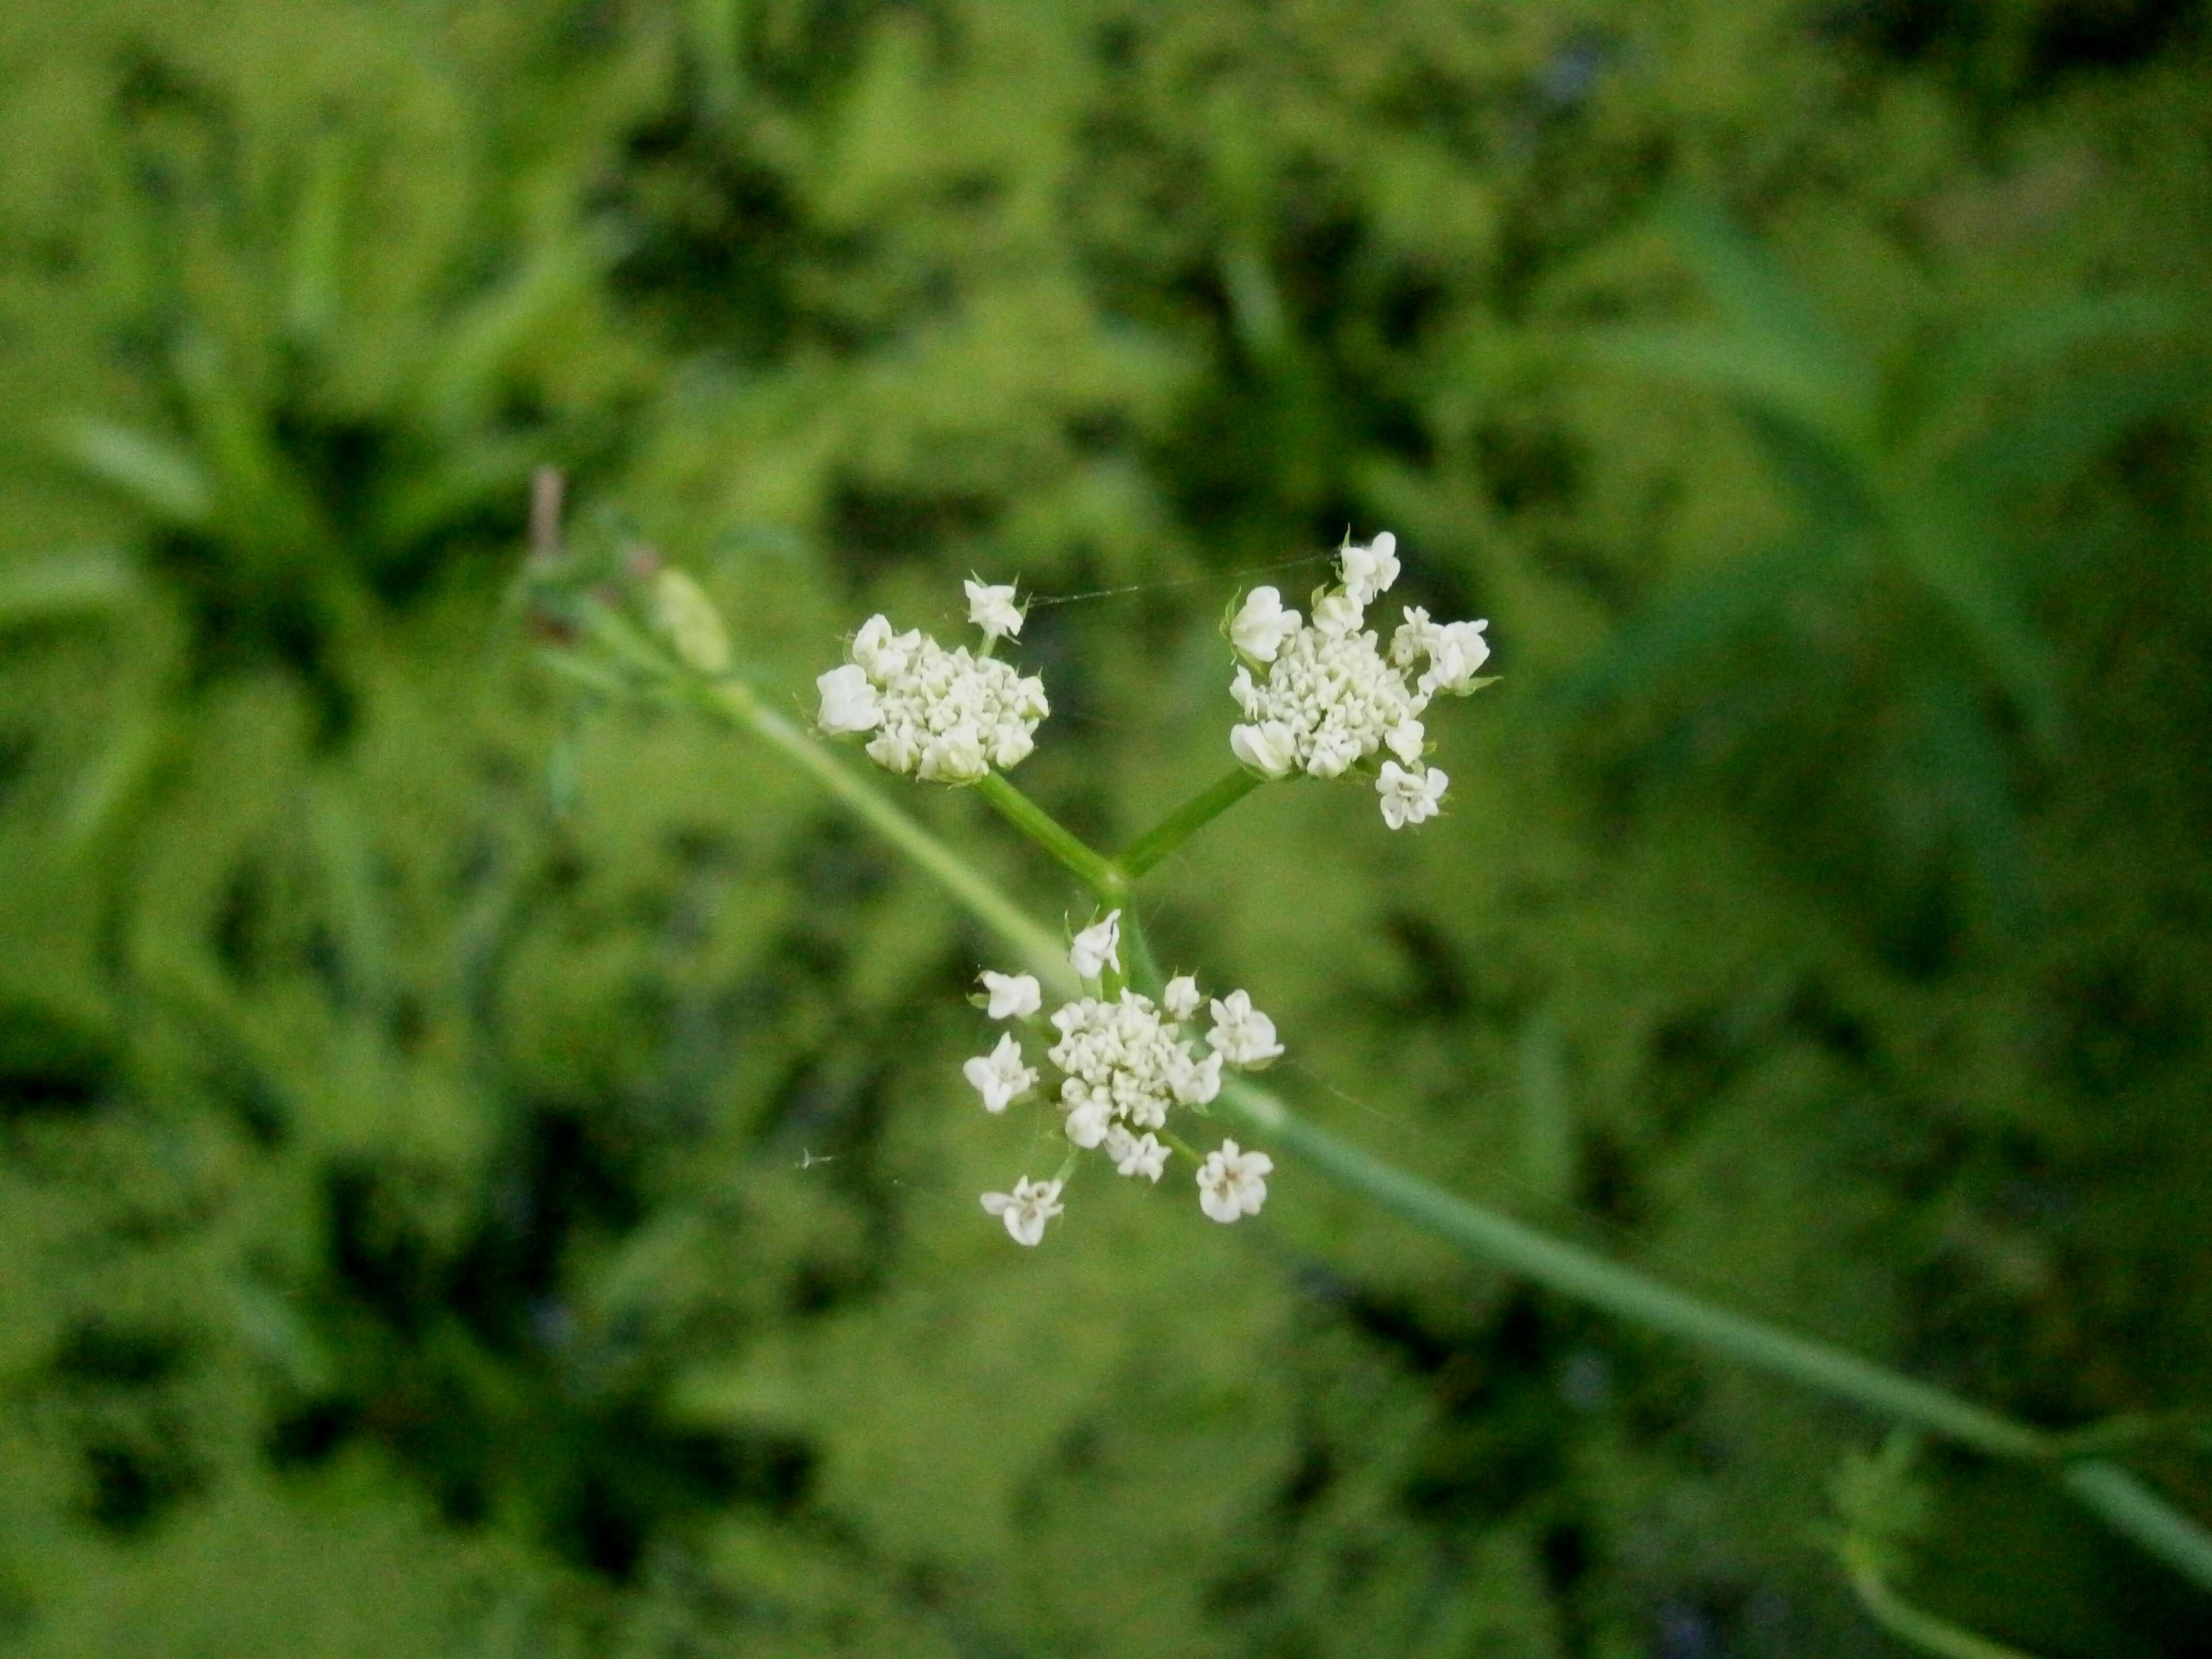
x=1327 y=699
x=945 y=716
x=1124 y=1063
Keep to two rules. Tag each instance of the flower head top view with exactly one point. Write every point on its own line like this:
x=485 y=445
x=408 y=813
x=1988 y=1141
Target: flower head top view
x=1132 y=1063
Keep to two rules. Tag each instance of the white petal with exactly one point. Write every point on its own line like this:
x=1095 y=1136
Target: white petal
x=1013 y=996
x=993 y=608
x=1181 y=998
x=884 y=656
x=1269 y=750
x=1098 y=947
x=1338 y=614
x=1087 y=1124
x=849 y=701
x=1261 y=625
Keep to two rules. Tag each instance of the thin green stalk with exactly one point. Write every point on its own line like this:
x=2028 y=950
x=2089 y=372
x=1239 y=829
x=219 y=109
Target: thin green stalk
x=1099 y=874
x=1043 y=953
x=1910 y=1624
x=1137 y=951
x=2107 y=1491
x=1193 y=815
x=1589 y=1277
x=2126 y=1506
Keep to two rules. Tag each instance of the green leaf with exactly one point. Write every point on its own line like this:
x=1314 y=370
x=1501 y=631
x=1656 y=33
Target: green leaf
x=1696 y=615
x=1549 y=1127
x=1839 y=486
x=162 y=480
x=2036 y=337
x=1756 y=296
x=2052 y=442
x=120 y=786
x=265 y=507
x=477 y=476
x=586 y=672
x=66 y=587
x=1967 y=771
x=345 y=862
x=1951 y=552
x=1750 y=371
x=462 y=380
x=314 y=259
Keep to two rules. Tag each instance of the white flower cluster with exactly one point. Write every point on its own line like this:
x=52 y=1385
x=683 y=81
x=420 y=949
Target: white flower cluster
x=1124 y=1064
x=1329 y=699
x=945 y=716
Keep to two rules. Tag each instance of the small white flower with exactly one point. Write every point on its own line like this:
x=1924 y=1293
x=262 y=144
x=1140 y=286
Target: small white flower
x=1243 y=1035
x=1261 y=625
x=1000 y=1076
x=1098 y=947
x=1337 y=615
x=1457 y=652
x=953 y=757
x=1193 y=1082
x=1181 y=999
x=894 y=750
x=1013 y=996
x=1333 y=751
x=1010 y=745
x=1231 y=1183
x=993 y=608
x=1409 y=797
x=849 y=701
x=1415 y=637
x=1090 y=1112
x=1407 y=740
x=1369 y=570
x=945 y=716
x=1029 y=1207
x=1271 y=750
x=1136 y=1155
x=883 y=654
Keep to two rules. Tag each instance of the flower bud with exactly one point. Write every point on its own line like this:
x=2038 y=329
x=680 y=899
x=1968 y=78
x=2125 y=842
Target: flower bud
x=692 y=624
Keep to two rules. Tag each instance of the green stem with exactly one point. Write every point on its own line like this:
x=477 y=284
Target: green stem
x=1589 y=1277
x=2126 y=1506
x=1099 y=874
x=1910 y=1624
x=2110 y=1492
x=735 y=703
x=1137 y=951
x=1193 y=815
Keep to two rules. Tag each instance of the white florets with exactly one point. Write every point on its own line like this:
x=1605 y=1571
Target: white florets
x=1098 y=947
x=1125 y=1064
x=1000 y=1076
x=1136 y=1155
x=1026 y=1209
x=1242 y=1035
x=1328 y=699
x=945 y=716
x=1409 y=797
x=1181 y=998
x=1012 y=996
x=1231 y=1183
x=993 y=609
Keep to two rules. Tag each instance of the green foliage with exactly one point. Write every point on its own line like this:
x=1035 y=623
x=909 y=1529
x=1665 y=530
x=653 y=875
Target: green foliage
x=476 y=1181
x=1904 y=470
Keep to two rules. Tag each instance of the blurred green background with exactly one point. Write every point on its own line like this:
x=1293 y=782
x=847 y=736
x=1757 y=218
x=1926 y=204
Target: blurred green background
x=482 y=1177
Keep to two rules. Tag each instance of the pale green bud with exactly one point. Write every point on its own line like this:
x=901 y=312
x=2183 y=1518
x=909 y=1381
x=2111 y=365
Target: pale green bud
x=692 y=624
